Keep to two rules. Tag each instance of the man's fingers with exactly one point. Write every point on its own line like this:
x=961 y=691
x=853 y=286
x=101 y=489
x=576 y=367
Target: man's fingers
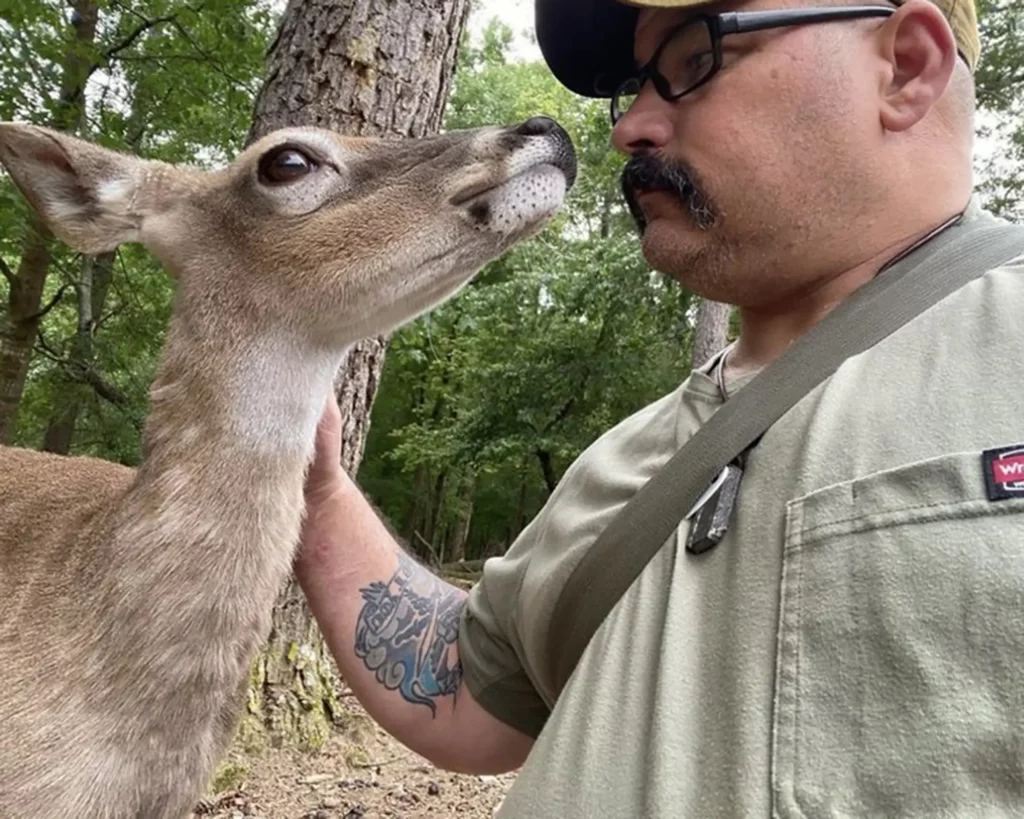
x=328 y=437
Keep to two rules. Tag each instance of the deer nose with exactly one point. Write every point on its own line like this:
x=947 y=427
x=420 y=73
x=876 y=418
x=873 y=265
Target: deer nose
x=538 y=126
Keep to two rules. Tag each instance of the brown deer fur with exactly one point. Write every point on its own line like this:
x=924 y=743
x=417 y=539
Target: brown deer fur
x=132 y=602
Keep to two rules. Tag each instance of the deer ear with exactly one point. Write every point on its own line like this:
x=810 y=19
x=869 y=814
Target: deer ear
x=84 y=193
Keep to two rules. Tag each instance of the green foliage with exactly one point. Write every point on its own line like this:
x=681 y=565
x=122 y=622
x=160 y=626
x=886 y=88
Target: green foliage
x=1000 y=80
x=551 y=345
x=167 y=80
x=548 y=348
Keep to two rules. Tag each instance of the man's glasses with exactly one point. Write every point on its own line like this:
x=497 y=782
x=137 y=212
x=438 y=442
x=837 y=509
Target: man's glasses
x=691 y=54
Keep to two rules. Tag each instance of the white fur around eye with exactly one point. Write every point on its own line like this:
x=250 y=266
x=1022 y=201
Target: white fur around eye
x=307 y=193
x=328 y=180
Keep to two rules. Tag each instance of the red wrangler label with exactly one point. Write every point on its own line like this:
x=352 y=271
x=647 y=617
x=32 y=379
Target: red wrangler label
x=1004 y=473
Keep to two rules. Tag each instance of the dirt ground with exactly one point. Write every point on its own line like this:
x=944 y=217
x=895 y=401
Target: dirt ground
x=361 y=773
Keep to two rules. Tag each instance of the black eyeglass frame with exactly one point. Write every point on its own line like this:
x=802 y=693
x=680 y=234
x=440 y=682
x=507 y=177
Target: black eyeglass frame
x=732 y=22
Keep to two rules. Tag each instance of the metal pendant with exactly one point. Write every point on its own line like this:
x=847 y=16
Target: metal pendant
x=711 y=514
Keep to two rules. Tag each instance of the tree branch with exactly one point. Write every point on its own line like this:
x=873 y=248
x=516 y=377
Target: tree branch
x=53 y=303
x=430 y=548
x=159 y=58
x=103 y=389
x=563 y=413
x=47 y=351
x=83 y=374
x=214 y=63
x=547 y=467
x=142 y=28
x=7 y=274
x=125 y=43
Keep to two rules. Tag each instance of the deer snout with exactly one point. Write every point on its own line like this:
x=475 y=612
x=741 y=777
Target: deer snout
x=526 y=184
x=565 y=152
x=538 y=126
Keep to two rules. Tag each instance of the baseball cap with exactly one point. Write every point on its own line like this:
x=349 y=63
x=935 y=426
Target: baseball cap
x=588 y=44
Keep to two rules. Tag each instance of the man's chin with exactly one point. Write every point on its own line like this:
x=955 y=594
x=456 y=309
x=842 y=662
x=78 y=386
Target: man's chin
x=670 y=247
x=694 y=258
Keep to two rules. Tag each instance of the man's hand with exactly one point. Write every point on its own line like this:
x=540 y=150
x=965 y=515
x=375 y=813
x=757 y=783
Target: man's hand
x=325 y=473
x=348 y=560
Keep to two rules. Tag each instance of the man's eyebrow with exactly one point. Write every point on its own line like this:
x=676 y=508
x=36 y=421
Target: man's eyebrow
x=641 y=27
x=669 y=30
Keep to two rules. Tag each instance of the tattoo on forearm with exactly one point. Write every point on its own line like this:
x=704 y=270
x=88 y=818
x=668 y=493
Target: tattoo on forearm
x=407 y=631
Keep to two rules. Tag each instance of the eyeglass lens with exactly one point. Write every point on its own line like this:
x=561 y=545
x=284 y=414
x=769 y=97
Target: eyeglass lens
x=683 y=62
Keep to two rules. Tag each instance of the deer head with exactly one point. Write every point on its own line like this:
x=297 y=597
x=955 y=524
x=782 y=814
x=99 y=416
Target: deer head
x=337 y=238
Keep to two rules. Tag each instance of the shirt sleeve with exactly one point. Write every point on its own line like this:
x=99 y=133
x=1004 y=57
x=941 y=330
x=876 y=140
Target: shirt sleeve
x=506 y=625
x=491 y=663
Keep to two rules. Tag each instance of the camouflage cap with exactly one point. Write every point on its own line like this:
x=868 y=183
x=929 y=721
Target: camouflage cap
x=588 y=44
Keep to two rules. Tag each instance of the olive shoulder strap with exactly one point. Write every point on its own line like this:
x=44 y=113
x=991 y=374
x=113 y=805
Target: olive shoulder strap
x=912 y=285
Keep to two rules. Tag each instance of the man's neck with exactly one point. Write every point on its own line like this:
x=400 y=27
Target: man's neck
x=766 y=333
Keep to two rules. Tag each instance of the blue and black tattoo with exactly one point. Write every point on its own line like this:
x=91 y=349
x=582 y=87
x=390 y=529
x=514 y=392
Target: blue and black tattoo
x=407 y=631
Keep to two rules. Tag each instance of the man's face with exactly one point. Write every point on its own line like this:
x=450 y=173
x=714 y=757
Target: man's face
x=738 y=180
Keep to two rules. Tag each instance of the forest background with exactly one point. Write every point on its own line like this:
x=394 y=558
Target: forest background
x=483 y=404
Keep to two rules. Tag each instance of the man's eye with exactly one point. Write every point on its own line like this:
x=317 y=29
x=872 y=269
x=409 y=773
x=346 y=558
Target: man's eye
x=700 y=62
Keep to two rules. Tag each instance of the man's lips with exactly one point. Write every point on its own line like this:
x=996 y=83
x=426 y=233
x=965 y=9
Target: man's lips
x=647 y=194
x=653 y=201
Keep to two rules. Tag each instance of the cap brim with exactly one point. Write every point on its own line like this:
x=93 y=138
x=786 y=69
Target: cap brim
x=588 y=44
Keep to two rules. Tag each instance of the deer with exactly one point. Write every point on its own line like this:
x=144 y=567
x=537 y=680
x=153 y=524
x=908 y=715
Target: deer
x=133 y=599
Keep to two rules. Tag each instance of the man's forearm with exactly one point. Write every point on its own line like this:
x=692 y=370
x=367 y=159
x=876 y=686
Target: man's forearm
x=392 y=627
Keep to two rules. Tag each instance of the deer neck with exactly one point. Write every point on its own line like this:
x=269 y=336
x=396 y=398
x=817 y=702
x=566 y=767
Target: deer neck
x=257 y=396
x=210 y=525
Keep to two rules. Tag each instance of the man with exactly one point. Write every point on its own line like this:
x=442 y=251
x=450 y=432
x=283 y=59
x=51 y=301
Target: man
x=853 y=644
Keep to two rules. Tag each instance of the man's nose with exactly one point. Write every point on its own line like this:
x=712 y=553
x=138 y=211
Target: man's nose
x=647 y=124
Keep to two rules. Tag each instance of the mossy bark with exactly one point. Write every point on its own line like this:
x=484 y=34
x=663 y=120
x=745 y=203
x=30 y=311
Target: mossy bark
x=293 y=692
x=364 y=68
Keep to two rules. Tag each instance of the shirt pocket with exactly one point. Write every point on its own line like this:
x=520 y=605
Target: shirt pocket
x=900 y=666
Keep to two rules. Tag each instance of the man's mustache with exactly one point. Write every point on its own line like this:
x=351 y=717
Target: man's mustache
x=647 y=173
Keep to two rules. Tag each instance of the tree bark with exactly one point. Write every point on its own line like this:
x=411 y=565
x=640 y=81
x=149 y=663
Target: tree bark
x=435 y=511
x=711 y=332
x=93 y=286
x=459 y=534
x=520 y=520
x=18 y=335
x=414 y=517
x=364 y=68
x=547 y=467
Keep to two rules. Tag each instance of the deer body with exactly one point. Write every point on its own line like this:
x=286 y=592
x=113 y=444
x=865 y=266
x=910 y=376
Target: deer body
x=132 y=601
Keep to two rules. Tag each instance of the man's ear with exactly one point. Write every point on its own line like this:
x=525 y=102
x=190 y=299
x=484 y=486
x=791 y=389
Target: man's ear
x=85 y=194
x=919 y=46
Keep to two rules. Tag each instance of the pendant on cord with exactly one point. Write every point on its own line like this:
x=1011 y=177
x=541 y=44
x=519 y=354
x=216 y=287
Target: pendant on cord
x=712 y=512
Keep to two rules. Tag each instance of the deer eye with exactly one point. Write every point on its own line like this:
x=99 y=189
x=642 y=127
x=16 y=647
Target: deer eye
x=285 y=165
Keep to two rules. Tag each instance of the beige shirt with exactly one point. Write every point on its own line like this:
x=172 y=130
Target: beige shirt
x=855 y=645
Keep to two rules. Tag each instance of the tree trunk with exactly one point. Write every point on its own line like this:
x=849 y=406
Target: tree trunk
x=366 y=68
x=420 y=503
x=524 y=489
x=712 y=331
x=93 y=287
x=547 y=468
x=25 y=313
x=18 y=335
x=434 y=521
x=459 y=534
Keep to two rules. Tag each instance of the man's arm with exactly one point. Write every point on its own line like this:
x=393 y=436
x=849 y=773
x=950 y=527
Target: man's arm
x=392 y=626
